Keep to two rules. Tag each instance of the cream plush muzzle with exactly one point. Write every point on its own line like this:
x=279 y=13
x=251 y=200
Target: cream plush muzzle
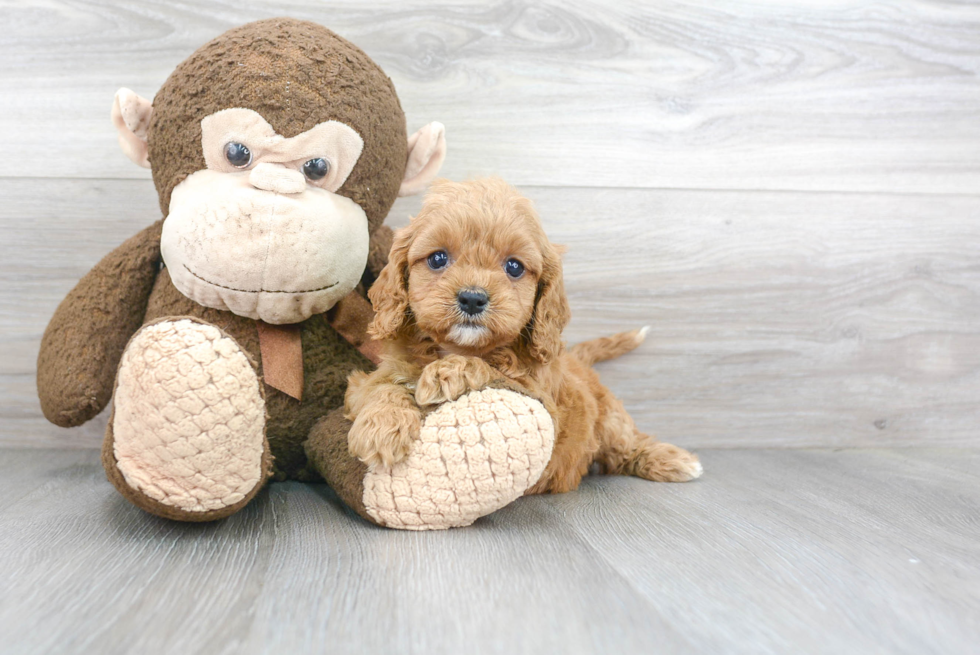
x=277 y=257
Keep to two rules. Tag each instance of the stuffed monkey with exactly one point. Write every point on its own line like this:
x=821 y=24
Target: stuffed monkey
x=227 y=330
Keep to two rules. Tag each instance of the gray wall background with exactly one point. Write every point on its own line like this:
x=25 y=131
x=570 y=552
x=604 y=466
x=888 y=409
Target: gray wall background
x=789 y=194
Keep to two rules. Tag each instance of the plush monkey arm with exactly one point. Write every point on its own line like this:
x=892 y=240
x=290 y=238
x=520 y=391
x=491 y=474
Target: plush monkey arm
x=82 y=344
x=380 y=246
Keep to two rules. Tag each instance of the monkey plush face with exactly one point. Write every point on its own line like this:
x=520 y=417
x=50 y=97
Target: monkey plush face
x=261 y=231
x=277 y=149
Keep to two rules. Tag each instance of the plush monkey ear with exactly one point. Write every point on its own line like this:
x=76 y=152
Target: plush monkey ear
x=131 y=116
x=426 y=151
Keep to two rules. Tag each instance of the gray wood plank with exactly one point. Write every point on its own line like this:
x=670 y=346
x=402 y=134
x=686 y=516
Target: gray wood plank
x=809 y=540
x=872 y=96
x=777 y=319
x=858 y=551
x=85 y=571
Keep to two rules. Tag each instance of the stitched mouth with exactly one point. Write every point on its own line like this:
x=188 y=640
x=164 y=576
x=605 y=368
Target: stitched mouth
x=224 y=286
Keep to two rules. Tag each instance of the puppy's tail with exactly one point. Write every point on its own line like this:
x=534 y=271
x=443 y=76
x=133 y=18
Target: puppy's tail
x=603 y=348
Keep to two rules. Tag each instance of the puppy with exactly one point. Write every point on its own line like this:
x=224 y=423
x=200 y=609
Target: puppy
x=473 y=293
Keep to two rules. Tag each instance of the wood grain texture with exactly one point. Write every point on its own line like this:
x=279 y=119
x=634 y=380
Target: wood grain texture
x=777 y=319
x=861 y=551
x=810 y=95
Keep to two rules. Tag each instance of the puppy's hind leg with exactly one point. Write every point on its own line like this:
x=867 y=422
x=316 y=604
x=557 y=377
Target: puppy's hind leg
x=661 y=462
x=625 y=450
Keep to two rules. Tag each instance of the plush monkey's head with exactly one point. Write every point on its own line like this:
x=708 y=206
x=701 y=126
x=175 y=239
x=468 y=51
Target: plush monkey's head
x=276 y=149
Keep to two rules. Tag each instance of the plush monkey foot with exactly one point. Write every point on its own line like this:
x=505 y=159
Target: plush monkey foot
x=186 y=440
x=474 y=455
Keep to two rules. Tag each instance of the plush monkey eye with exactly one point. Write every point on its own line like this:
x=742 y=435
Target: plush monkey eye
x=438 y=259
x=316 y=169
x=238 y=155
x=514 y=268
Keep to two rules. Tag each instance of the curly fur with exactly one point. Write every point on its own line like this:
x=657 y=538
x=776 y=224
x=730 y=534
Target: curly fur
x=435 y=352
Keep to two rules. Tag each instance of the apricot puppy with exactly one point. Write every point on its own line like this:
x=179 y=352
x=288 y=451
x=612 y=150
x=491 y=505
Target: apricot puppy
x=473 y=293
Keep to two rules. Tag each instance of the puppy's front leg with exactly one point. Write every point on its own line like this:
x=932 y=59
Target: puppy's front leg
x=449 y=378
x=386 y=418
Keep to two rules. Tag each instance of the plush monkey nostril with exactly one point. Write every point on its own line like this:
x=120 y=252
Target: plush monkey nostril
x=472 y=301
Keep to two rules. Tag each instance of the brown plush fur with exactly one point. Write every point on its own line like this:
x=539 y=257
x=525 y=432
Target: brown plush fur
x=327 y=451
x=481 y=224
x=83 y=343
x=295 y=74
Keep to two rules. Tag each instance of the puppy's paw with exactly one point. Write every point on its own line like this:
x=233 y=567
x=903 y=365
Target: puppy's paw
x=663 y=462
x=449 y=378
x=690 y=469
x=383 y=434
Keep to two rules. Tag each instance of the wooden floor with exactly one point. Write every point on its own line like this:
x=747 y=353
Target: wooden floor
x=773 y=551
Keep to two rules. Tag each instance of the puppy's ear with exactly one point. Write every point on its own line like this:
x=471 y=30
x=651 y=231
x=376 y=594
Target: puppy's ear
x=551 y=310
x=389 y=293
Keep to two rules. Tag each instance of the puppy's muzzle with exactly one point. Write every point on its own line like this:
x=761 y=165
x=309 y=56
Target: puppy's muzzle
x=472 y=301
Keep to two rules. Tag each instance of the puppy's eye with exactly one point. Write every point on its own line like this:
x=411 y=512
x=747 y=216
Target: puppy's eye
x=514 y=268
x=238 y=155
x=316 y=169
x=437 y=260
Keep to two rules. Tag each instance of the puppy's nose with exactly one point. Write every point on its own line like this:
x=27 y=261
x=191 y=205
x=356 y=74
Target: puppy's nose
x=472 y=301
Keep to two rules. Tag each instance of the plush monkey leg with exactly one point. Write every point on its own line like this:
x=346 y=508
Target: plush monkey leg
x=186 y=439
x=474 y=455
